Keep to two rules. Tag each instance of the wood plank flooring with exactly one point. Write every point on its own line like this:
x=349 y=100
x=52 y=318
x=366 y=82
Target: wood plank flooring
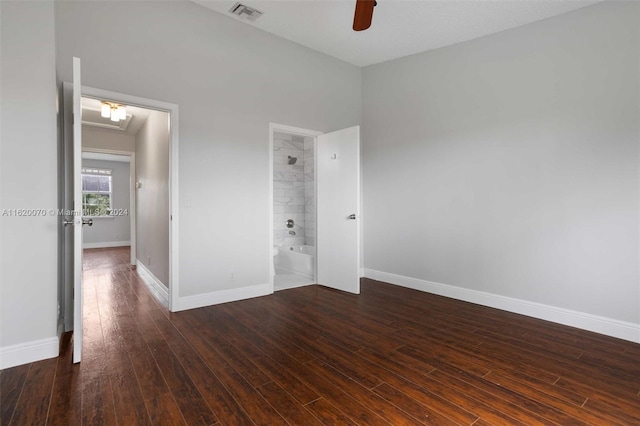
x=312 y=355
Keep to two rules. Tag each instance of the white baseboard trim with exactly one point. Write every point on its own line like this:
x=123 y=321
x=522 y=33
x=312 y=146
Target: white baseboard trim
x=603 y=325
x=222 y=296
x=24 y=353
x=106 y=244
x=155 y=286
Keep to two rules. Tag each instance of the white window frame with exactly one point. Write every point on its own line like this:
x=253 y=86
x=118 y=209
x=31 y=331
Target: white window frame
x=94 y=171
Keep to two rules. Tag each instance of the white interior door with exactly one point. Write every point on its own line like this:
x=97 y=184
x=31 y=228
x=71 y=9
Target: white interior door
x=77 y=217
x=338 y=201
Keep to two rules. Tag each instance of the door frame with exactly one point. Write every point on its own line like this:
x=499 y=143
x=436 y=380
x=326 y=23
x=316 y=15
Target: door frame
x=275 y=127
x=172 y=110
x=132 y=192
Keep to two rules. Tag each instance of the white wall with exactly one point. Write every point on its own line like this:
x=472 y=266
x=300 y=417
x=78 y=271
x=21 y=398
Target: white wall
x=152 y=198
x=113 y=231
x=229 y=80
x=509 y=164
x=28 y=180
x=93 y=137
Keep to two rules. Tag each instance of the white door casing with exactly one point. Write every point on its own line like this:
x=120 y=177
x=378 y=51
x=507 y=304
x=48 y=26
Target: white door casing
x=173 y=111
x=338 y=209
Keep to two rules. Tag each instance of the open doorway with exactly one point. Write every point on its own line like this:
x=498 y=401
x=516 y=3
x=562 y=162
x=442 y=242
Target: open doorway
x=126 y=187
x=108 y=197
x=314 y=208
x=159 y=115
x=293 y=206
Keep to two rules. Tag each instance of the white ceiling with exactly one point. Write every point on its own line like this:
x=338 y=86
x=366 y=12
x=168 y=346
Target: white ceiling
x=400 y=27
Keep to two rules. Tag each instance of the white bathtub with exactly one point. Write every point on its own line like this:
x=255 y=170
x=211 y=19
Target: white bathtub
x=295 y=259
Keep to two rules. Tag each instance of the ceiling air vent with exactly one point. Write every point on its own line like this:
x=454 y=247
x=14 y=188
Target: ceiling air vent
x=245 y=12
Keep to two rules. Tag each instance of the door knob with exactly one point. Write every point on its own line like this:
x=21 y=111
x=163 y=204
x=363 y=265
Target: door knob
x=352 y=216
x=87 y=222
x=67 y=222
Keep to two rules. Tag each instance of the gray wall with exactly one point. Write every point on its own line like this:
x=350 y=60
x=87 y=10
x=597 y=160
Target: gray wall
x=114 y=140
x=230 y=80
x=509 y=164
x=106 y=232
x=28 y=178
x=152 y=198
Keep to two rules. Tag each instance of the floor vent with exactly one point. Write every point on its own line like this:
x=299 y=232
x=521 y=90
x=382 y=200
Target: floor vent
x=245 y=12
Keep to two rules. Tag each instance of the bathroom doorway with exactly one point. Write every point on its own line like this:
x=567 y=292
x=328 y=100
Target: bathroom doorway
x=292 y=161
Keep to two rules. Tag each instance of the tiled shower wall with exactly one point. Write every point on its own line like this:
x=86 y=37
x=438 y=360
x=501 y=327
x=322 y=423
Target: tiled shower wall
x=293 y=190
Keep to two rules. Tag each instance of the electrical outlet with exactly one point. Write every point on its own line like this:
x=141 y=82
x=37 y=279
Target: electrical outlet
x=149 y=260
x=232 y=276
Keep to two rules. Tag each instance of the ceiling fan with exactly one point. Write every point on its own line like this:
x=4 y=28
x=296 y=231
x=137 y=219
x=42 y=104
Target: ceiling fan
x=363 y=15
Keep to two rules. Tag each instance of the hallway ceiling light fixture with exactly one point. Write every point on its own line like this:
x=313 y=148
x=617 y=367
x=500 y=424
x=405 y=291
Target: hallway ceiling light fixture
x=115 y=112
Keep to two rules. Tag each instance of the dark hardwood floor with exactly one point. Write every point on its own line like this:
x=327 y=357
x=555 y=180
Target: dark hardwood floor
x=317 y=356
